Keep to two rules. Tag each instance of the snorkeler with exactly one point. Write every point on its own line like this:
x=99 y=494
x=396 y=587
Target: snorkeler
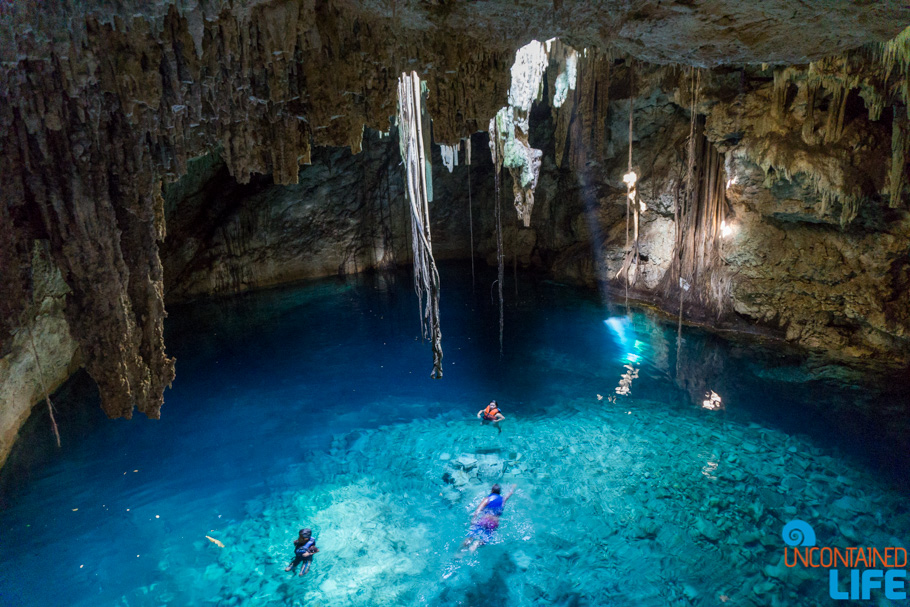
x=491 y=415
x=304 y=549
x=486 y=518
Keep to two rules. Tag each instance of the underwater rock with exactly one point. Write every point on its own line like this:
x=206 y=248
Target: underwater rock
x=707 y=530
x=755 y=510
x=521 y=560
x=793 y=483
x=646 y=528
x=690 y=592
x=848 y=505
x=465 y=462
x=849 y=532
x=763 y=588
x=460 y=478
x=771 y=498
x=749 y=537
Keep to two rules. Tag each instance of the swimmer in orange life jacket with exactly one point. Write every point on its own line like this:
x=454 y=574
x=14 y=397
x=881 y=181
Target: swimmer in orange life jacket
x=491 y=415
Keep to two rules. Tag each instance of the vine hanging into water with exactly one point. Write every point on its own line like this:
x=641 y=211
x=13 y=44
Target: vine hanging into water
x=470 y=207
x=495 y=138
x=634 y=206
x=413 y=144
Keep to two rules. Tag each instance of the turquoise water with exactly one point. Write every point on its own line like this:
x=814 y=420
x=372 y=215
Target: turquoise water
x=313 y=406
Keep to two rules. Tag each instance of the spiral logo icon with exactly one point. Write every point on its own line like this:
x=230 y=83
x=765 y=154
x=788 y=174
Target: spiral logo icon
x=798 y=533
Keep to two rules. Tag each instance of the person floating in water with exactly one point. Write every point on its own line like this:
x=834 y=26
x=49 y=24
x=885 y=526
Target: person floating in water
x=491 y=415
x=486 y=518
x=304 y=549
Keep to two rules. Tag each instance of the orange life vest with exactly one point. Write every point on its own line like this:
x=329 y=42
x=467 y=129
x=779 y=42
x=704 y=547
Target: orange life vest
x=490 y=412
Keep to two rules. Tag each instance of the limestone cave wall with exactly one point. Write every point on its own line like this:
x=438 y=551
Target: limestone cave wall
x=41 y=353
x=823 y=266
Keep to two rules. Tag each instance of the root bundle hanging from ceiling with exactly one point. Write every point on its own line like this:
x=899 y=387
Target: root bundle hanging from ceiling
x=413 y=132
x=496 y=152
x=696 y=261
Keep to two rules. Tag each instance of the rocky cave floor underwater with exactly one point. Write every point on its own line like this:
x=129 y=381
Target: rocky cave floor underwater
x=312 y=405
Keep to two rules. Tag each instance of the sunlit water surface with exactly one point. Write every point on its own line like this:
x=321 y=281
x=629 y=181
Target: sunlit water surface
x=312 y=406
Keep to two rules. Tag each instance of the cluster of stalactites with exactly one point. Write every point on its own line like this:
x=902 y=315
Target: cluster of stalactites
x=895 y=56
x=510 y=128
x=836 y=77
x=578 y=87
x=450 y=153
x=819 y=77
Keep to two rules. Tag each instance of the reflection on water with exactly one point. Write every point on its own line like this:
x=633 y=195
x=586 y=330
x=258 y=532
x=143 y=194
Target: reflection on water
x=313 y=406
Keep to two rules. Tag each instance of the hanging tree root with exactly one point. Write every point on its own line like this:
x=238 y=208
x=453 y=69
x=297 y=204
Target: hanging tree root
x=412 y=140
x=697 y=261
x=495 y=137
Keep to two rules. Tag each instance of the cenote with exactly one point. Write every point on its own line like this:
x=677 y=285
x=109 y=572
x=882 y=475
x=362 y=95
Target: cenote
x=311 y=405
x=349 y=303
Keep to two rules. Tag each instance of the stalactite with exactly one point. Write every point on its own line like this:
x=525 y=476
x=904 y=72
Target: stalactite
x=900 y=150
x=830 y=194
x=566 y=74
x=838 y=80
x=413 y=126
x=874 y=102
x=513 y=130
x=779 y=92
x=579 y=90
x=895 y=56
x=562 y=85
x=449 y=154
x=783 y=77
x=808 y=129
x=834 y=125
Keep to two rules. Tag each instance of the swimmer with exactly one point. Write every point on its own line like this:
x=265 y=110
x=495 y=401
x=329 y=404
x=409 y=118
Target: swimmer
x=491 y=415
x=304 y=549
x=486 y=519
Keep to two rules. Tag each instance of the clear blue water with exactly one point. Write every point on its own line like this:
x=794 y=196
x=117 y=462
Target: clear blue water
x=312 y=406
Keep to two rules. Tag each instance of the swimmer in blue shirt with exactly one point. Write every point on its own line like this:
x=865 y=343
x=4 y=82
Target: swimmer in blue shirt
x=486 y=518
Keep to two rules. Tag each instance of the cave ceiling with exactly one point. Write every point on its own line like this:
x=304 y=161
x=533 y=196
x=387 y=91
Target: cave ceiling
x=702 y=33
